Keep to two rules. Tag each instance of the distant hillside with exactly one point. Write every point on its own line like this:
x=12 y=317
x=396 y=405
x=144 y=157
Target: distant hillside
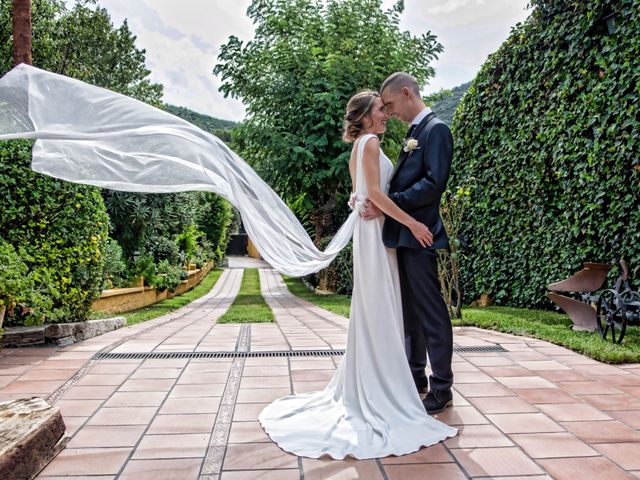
x=205 y=122
x=446 y=107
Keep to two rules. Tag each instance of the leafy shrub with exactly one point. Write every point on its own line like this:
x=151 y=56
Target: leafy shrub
x=338 y=276
x=549 y=128
x=168 y=277
x=30 y=291
x=214 y=219
x=115 y=269
x=62 y=228
x=161 y=248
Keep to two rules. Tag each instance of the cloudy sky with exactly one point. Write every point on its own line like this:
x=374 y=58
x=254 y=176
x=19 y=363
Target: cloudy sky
x=183 y=39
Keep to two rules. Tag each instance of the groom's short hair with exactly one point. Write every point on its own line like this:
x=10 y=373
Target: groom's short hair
x=399 y=80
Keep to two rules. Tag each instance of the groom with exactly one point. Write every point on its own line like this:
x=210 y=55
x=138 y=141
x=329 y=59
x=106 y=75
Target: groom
x=417 y=184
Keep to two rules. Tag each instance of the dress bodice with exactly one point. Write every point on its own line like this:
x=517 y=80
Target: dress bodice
x=386 y=169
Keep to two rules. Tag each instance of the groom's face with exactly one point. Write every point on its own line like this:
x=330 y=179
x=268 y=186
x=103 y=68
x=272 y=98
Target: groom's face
x=397 y=103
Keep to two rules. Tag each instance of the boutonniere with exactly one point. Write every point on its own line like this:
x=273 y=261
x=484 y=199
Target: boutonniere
x=410 y=144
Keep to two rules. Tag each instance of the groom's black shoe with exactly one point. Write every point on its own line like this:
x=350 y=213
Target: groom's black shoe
x=422 y=384
x=437 y=400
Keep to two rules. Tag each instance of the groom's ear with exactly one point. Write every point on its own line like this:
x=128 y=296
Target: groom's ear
x=406 y=92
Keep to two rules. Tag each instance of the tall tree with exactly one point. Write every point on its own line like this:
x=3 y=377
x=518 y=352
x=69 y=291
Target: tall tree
x=295 y=77
x=21 y=23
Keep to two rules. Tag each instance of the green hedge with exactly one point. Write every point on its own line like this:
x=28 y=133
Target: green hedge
x=62 y=228
x=550 y=130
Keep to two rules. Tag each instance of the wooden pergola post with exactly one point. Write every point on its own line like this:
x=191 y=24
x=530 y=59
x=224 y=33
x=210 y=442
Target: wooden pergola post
x=21 y=22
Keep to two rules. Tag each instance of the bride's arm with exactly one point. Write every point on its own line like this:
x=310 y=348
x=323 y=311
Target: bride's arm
x=371 y=168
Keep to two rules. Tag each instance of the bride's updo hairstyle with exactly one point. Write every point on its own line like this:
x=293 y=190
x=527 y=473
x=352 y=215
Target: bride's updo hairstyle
x=358 y=108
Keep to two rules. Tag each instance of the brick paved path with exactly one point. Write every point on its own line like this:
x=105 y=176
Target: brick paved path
x=533 y=411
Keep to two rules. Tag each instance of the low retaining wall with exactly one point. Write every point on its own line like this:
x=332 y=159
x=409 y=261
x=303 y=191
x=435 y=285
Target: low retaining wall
x=120 y=300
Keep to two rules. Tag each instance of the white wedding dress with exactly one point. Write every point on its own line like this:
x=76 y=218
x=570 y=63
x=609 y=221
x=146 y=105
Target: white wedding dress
x=371 y=407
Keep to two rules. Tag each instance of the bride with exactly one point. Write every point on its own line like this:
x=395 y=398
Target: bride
x=89 y=135
x=370 y=408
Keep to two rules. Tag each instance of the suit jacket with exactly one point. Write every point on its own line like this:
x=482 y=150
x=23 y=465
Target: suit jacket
x=418 y=182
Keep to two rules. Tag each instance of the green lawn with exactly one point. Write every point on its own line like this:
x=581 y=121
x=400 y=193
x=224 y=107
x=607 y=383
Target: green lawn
x=340 y=304
x=169 y=305
x=249 y=306
x=544 y=325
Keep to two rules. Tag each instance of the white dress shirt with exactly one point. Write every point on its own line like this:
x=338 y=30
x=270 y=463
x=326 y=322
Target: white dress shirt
x=421 y=116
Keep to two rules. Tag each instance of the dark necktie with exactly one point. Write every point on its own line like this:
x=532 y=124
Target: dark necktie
x=411 y=129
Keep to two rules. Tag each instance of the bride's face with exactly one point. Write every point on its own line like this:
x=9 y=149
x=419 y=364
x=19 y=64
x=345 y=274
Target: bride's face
x=378 y=117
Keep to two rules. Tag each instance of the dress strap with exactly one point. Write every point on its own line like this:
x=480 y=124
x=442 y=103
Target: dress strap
x=361 y=184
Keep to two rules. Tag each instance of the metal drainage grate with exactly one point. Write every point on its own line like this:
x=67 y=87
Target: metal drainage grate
x=479 y=349
x=283 y=353
x=165 y=355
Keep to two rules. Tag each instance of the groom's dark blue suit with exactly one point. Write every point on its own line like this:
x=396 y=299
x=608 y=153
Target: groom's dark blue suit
x=416 y=187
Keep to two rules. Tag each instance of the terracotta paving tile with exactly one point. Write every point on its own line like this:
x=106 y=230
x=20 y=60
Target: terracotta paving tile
x=553 y=445
x=88 y=461
x=264 y=382
x=506 y=371
x=602 y=432
x=483 y=390
x=107 y=436
x=49 y=374
x=572 y=412
x=593 y=468
x=165 y=362
x=448 y=471
x=624 y=454
x=304 y=387
x=462 y=416
x=147 y=385
x=156 y=373
x=192 y=445
x=319 y=364
x=588 y=387
x=348 y=469
x=73 y=424
x=272 y=371
x=474 y=436
x=112 y=368
x=473 y=377
x=135 y=399
x=101 y=379
x=633 y=391
x=537 y=365
x=630 y=418
x=525 y=382
x=6 y=369
x=78 y=408
x=525 y=423
x=199 y=378
x=492 y=462
x=247 y=432
x=502 y=405
x=188 y=423
x=490 y=361
x=312 y=375
x=7 y=379
x=261 y=395
x=78 y=477
x=246 y=412
x=289 y=474
x=524 y=356
x=175 y=468
x=557 y=376
x=43 y=387
x=258 y=456
x=190 y=405
x=22 y=360
x=612 y=402
x=123 y=416
x=261 y=362
x=464 y=367
x=600 y=369
x=78 y=392
x=433 y=454
x=193 y=391
x=545 y=395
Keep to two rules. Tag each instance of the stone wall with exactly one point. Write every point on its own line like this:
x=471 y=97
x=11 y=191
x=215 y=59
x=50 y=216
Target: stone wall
x=119 y=300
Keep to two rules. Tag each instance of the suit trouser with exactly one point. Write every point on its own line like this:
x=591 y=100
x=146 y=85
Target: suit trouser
x=427 y=324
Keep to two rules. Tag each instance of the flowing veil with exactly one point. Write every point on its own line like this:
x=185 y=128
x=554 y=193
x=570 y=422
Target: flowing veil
x=91 y=135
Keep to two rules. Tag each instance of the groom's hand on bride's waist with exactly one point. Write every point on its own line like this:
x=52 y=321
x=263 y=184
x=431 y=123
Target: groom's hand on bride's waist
x=370 y=211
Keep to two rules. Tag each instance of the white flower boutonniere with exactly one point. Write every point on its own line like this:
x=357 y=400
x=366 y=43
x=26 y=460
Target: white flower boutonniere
x=410 y=144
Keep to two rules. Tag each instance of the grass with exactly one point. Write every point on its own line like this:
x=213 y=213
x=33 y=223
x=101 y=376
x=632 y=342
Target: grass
x=544 y=325
x=169 y=305
x=340 y=304
x=249 y=306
